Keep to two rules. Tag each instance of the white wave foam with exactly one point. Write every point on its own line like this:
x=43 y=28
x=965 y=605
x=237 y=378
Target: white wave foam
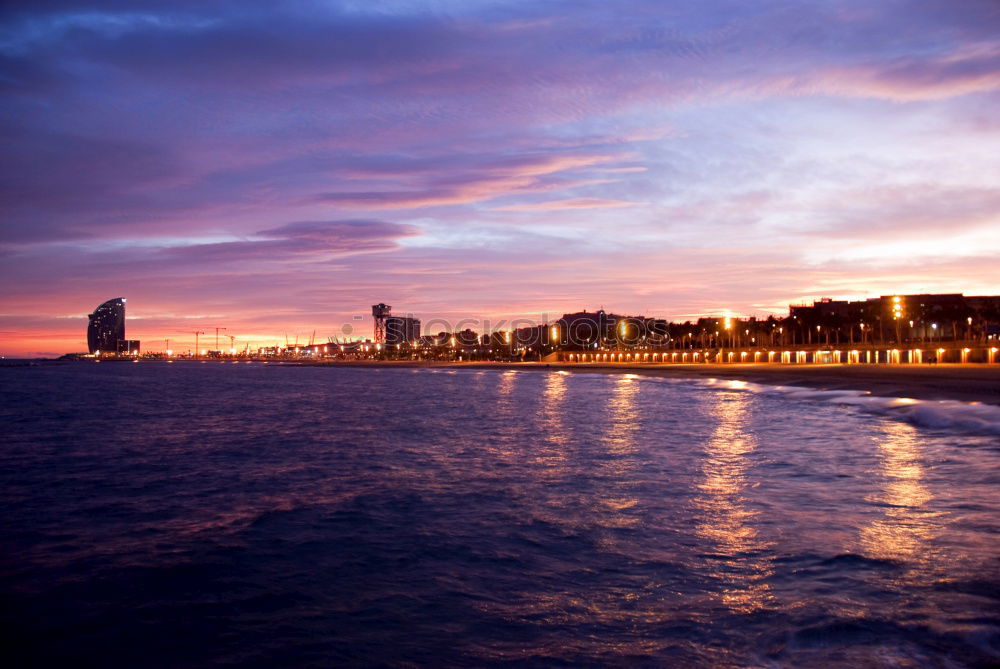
x=936 y=414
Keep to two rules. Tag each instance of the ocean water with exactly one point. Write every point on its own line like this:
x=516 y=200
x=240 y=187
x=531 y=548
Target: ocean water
x=193 y=515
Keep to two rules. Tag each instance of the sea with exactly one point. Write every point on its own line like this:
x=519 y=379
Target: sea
x=257 y=515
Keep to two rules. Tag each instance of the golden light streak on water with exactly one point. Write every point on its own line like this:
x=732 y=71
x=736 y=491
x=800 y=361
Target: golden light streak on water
x=549 y=453
x=623 y=416
x=609 y=507
x=506 y=384
x=906 y=527
x=505 y=414
x=620 y=441
x=724 y=519
x=553 y=411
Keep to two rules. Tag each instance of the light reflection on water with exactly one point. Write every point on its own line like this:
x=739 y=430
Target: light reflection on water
x=549 y=451
x=740 y=560
x=551 y=419
x=620 y=432
x=907 y=526
x=505 y=412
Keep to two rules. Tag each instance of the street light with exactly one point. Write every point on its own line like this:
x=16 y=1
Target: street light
x=897 y=314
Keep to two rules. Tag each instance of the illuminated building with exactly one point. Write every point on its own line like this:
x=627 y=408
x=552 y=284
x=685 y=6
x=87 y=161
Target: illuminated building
x=401 y=330
x=107 y=326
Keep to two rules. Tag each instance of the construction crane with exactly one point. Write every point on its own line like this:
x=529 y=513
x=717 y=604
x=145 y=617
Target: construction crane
x=197 y=351
x=232 y=344
x=217 y=330
x=313 y=338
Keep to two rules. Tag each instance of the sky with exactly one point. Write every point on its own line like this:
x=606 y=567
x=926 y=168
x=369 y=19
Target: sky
x=277 y=168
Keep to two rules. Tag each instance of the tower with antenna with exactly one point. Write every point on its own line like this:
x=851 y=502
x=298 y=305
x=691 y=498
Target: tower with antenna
x=380 y=312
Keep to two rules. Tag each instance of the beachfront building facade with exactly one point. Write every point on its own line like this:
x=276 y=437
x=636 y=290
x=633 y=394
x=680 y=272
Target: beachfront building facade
x=106 y=326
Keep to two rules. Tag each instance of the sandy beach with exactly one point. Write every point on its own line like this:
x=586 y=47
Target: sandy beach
x=965 y=383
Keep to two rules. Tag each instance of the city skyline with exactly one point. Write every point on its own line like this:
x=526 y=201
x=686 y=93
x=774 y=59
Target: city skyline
x=906 y=318
x=278 y=170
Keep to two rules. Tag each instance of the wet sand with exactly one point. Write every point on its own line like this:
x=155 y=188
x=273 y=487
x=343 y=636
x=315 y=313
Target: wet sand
x=965 y=383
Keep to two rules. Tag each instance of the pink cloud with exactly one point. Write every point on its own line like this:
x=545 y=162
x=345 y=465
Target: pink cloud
x=572 y=203
x=903 y=79
x=476 y=184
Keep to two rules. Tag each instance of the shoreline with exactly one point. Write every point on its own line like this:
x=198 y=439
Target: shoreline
x=963 y=383
x=958 y=382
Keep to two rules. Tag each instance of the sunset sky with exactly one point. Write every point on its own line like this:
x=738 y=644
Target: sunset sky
x=278 y=171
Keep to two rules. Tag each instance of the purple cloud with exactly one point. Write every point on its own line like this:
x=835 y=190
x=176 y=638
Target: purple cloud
x=296 y=240
x=572 y=203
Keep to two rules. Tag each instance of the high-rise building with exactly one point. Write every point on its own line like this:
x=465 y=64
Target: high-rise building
x=401 y=330
x=107 y=326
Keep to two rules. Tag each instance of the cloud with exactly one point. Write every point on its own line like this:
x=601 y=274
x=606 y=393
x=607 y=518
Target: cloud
x=297 y=240
x=902 y=79
x=573 y=203
x=474 y=182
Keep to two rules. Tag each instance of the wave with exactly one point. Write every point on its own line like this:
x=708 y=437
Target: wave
x=975 y=417
x=937 y=414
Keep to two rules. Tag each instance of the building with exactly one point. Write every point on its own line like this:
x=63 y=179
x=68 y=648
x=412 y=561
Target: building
x=127 y=347
x=401 y=331
x=466 y=338
x=583 y=329
x=107 y=326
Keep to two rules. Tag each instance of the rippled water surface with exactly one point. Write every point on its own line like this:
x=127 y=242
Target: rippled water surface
x=219 y=514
